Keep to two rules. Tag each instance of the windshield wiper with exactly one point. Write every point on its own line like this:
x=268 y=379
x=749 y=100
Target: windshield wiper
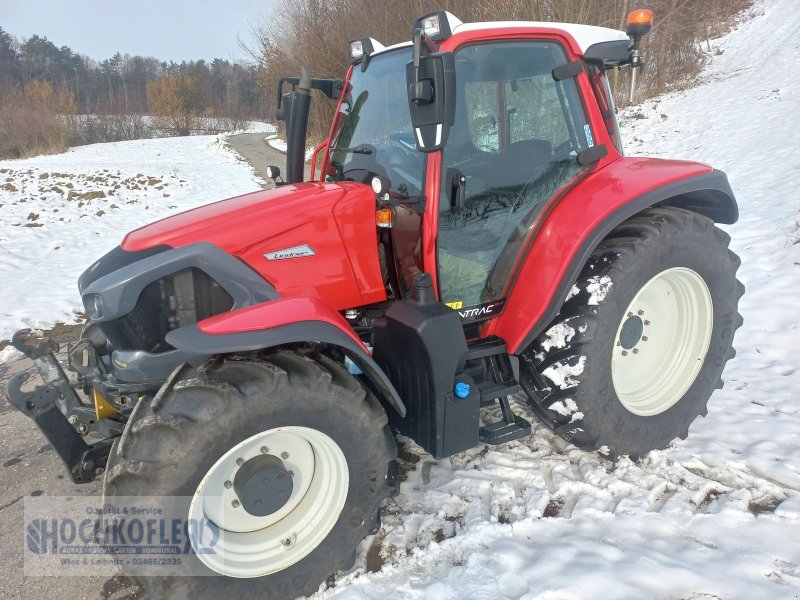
x=356 y=150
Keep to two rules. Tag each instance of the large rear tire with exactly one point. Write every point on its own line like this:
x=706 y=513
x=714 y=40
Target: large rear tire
x=641 y=342
x=285 y=415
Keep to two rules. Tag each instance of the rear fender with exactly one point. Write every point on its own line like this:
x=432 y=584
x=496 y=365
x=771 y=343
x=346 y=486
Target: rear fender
x=584 y=217
x=279 y=322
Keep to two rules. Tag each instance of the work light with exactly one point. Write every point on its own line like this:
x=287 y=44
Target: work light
x=361 y=47
x=437 y=26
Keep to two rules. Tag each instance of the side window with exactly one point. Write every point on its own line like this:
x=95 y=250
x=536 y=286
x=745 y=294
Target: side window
x=482 y=112
x=513 y=145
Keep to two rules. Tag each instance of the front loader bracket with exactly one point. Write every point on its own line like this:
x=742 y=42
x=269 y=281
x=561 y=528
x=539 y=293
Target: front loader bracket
x=47 y=405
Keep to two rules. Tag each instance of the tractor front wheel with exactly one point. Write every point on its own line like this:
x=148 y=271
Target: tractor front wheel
x=283 y=459
x=643 y=337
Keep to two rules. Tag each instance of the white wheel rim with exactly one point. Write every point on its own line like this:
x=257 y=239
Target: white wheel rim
x=675 y=312
x=232 y=542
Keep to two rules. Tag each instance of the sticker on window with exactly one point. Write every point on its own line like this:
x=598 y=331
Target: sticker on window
x=589 y=140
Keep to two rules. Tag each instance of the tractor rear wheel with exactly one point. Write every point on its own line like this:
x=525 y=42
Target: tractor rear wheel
x=284 y=458
x=641 y=342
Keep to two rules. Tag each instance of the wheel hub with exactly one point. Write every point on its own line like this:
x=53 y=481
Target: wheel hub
x=263 y=485
x=631 y=332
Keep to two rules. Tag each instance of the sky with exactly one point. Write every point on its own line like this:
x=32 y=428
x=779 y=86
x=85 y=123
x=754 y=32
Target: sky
x=165 y=29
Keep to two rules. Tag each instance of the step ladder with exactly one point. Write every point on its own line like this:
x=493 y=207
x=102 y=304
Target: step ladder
x=489 y=363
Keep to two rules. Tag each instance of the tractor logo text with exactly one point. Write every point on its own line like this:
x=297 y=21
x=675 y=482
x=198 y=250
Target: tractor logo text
x=477 y=312
x=293 y=252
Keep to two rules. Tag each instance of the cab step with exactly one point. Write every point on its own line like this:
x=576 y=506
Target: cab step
x=498 y=383
x=511 y=427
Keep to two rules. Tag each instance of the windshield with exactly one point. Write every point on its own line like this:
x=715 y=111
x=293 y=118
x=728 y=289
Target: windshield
x=374 y=134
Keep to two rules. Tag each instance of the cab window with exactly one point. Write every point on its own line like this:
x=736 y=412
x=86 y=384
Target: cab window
x=512 y=147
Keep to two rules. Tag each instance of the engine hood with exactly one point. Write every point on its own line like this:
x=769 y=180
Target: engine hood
x=307 y=240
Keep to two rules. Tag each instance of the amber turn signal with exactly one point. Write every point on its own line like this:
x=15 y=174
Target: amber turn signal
x=383 y=217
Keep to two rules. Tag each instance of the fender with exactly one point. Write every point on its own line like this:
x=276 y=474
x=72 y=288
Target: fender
x=572 y=230
x=278 y=322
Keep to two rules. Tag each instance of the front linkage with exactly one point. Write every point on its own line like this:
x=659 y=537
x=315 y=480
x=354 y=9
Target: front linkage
x=56 y=408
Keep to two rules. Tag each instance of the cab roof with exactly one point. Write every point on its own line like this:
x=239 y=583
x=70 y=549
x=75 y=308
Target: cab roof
x=584 y=35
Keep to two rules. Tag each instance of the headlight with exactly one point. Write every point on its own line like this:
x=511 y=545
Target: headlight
x=94 y=306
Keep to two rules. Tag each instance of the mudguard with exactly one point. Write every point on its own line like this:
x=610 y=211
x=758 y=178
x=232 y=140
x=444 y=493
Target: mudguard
x=279 y=322
x=572 y=230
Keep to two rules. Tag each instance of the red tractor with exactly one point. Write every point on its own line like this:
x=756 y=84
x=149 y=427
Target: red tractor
x=471 y=230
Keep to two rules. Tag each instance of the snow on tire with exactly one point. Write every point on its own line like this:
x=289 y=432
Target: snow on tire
x=216 y=433
x=641 y=342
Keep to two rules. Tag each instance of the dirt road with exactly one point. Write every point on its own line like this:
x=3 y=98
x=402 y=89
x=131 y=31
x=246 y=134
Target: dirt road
x=255 y=150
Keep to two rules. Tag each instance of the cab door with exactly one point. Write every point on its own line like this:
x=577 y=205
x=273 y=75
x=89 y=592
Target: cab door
x=512 y=149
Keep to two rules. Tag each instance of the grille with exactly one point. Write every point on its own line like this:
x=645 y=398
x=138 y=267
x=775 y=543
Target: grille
x=180 y=299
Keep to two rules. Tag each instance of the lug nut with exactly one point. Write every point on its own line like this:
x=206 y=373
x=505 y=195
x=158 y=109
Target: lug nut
x=291 y=473
x=644 y=338
x=284 y=455
x=624 y=353
x=264 y=450
x=619 y=343
x=646 y=322
x=287 y=542
x=228 y=485
x=640 y=313
x=636 y=351
x=235 y=504
x=630 y=314
x=240 y=461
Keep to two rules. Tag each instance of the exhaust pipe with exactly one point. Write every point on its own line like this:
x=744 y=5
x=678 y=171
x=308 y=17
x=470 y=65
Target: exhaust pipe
x=297 y=129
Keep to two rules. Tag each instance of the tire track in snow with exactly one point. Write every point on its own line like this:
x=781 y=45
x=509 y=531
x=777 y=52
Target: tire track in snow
x=541 y=477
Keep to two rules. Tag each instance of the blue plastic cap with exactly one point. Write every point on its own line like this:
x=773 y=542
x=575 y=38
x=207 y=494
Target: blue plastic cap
x=462 y=390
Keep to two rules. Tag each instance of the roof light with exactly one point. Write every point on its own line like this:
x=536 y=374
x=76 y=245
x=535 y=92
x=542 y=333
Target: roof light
x=356 y=49
x=430 y=25
x=437 y=26
x=361 y=47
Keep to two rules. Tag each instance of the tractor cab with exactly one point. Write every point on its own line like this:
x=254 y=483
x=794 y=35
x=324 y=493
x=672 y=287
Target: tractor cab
x=466 y=134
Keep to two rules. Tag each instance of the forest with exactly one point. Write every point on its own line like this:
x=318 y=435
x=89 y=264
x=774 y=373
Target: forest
x=52 y=97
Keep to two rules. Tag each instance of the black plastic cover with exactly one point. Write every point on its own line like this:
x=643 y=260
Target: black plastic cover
x=420 y=345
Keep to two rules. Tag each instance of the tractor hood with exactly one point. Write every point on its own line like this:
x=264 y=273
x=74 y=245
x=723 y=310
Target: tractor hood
x=307 y=239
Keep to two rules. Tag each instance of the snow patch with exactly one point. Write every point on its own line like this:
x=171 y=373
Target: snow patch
x=557 y=336
x=9 y=354
x=565 y=407
x=598 y=288
x=574 y=291
x=564 y=375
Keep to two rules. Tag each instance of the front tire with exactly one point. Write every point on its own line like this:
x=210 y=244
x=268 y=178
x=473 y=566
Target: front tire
x=297 y=420
x=641 y=342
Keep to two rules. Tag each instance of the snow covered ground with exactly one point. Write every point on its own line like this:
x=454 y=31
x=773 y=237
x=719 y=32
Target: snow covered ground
x=60 y=213
x=714 y=517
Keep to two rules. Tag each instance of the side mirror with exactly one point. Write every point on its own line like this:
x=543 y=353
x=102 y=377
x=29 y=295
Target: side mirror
x=431 y=97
